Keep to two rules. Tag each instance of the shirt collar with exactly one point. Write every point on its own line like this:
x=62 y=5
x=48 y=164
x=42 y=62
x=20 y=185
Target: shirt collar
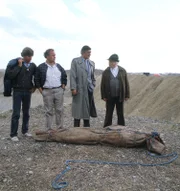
x=83 y=59
x=114 y=68
x=52 y=65
x=27 y=64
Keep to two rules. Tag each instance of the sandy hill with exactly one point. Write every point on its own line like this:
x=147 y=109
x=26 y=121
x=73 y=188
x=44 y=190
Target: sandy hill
x=155 y=97
x=151 y=96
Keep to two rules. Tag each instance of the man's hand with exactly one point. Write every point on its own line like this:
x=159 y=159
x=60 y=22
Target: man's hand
x=126 y=99
x=20 y=61
x=74 y=92
x=40 y=90
x=33 y=90
x=105 y=99
x=63 y=86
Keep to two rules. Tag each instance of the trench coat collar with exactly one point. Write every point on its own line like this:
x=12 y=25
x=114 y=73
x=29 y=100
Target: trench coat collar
x=81 y=60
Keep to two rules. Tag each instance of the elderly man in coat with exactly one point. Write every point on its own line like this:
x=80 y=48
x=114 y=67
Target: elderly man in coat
x=82 y=84
x=114 y=90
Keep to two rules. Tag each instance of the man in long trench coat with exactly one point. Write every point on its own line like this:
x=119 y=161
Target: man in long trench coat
x=82 y=84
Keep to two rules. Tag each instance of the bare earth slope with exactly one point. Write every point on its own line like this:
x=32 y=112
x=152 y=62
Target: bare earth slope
x=155 y=97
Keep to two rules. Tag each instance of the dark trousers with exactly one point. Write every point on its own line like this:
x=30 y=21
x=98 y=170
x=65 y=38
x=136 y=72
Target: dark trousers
x=110 y=104
x=86 y=121
x=77 y=123
x=19 y=97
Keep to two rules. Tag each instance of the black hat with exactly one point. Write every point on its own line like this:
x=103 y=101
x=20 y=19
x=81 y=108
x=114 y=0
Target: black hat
x=27 y=52
x=114 y=57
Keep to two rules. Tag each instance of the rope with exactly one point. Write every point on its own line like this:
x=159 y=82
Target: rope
x=60 y=185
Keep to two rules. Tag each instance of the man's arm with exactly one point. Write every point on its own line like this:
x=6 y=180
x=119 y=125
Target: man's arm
x=103 y=97
x=12 y=72
x=37 y=79
x=63 y=78
x=127 y=89
x=33 y=79
x=73 y=76
x=93 y=75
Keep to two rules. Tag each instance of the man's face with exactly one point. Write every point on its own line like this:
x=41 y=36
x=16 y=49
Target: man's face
x=51 y=57
x=112 y=64
x=87 y=54
x=27 y=59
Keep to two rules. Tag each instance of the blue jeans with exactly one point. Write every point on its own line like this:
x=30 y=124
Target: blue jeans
x=24 y=98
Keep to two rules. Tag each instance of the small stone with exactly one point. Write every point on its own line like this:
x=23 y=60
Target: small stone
x=134 y=178
x=13 y=165
x=5 y=180
x=168 y=179
x=29 y=159
x=30 y=172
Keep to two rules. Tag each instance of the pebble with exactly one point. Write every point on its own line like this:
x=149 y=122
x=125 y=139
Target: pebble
x=134 y=178
x=5 y=180
x=29 y=159
x=30 y=172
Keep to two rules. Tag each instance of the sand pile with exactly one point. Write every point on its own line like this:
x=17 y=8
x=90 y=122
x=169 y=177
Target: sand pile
x=152 y=96
x=155 y=97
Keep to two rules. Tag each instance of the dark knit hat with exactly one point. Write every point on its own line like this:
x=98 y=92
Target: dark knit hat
x=27 y=52
x=114 y=57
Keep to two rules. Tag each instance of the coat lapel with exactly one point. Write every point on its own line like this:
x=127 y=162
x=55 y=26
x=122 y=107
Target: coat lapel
x=91 y=66
x=82 y=64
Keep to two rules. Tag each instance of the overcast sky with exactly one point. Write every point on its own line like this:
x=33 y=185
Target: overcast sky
x=144 y=33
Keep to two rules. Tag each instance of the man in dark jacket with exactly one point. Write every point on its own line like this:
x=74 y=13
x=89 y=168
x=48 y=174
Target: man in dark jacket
x=22 y=76
x=51 y=80
x=114 y=90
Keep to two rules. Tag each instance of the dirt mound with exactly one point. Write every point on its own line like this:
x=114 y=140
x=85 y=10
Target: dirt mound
x=153 y=96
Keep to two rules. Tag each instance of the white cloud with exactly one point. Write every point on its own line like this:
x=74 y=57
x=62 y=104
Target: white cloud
x=53 y=14
x=89 y=8
x=4 y=10
x=148 y=42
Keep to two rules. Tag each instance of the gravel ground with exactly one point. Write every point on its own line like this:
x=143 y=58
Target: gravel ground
x=31 y=166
